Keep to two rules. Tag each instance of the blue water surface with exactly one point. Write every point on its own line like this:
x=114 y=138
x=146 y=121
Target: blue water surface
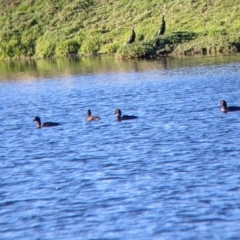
x=173 y=173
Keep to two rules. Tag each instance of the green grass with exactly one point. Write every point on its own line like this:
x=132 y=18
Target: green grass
x=56 y=28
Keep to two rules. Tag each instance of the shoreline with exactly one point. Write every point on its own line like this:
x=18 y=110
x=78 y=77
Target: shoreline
x=148 y=57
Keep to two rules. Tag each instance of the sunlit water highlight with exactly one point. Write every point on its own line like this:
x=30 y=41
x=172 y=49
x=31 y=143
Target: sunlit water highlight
x=173 y=173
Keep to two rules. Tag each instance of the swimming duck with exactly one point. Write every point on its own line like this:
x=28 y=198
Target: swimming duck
x=46 y=124
x=225 y=108
x=124 y=117
x=90 y=118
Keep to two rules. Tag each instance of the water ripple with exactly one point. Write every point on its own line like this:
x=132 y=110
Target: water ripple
x=173 y=173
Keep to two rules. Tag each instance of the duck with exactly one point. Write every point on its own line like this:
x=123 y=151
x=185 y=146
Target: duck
x=225 y=108
x=90 y=118
x=124 y=117
x=46 y=124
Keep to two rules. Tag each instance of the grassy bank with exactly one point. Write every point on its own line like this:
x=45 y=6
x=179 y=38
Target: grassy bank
x=43 y=28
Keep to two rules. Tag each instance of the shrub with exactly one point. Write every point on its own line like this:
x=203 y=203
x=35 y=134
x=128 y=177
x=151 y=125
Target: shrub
x=11 y=44
x=111 y=48
x=45 y=46
x=90 y=46
x=66 y=48
x=135 y=50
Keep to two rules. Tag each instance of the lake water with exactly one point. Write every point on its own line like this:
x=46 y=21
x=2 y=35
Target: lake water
x=173 y=173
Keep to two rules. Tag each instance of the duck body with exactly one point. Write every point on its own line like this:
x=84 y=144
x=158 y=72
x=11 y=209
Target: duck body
x=225 y=108
x=119 y=116
x=90 y=118
x=46 y=124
